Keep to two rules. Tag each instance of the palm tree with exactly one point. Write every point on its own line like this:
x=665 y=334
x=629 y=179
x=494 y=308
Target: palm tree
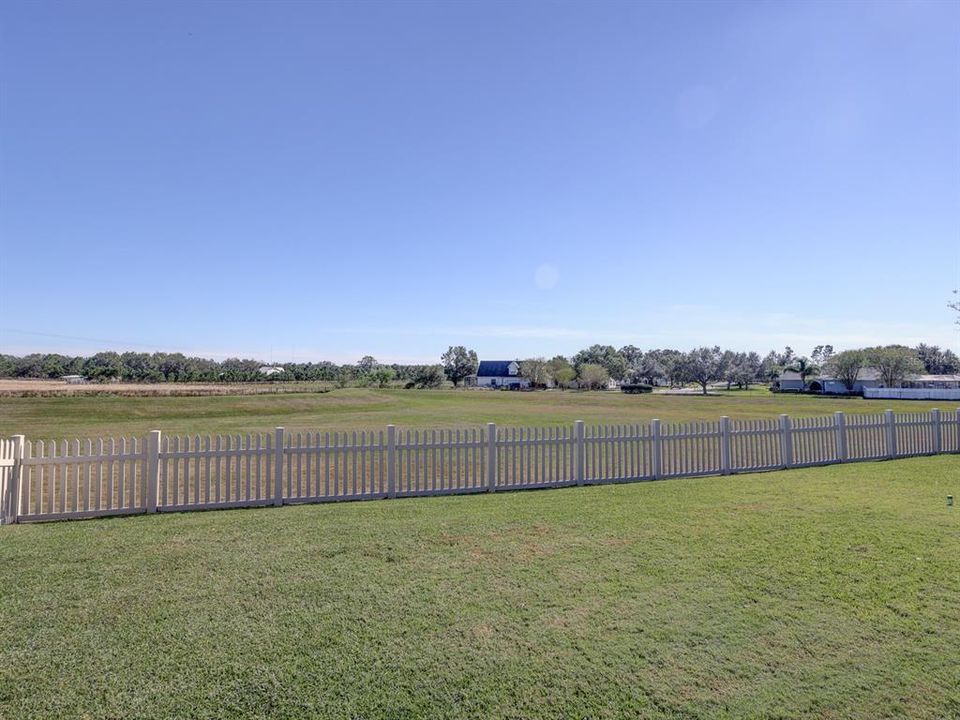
x=804 y=367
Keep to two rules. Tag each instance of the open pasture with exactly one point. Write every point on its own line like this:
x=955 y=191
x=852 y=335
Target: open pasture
x=824 y=592
x=94 y=416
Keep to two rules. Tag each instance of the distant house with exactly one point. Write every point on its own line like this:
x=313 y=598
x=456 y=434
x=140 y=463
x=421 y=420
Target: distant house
x=933 y=382
x=74 y=379
x=789 y=381
x=868 y=377
x=500 y=373
x=269 y=370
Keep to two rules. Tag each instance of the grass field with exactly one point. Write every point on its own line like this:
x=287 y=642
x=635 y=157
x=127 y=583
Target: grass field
x=361 y=409
x=823 y=593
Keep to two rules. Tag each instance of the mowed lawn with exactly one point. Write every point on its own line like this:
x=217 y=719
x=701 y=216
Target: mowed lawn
x=365 y=409
x=823 y=593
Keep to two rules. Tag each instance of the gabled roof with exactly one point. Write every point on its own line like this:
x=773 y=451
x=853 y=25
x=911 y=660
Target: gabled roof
x=495 y=368
x=789 y=375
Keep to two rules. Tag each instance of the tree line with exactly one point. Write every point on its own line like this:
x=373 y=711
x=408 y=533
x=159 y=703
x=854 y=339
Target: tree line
x=590 y=368
x=161 y=367
x=593 y=367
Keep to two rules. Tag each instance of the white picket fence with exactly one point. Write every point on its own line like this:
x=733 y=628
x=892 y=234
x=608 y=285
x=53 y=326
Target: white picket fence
x=911 y=394
x=156 y=473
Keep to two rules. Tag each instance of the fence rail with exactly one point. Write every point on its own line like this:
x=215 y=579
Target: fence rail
x=155 y=473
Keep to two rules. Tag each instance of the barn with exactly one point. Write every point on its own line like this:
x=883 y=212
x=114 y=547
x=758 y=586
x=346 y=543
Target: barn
x=500 y=374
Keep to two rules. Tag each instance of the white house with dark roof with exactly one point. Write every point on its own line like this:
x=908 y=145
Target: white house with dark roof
x=500 y=373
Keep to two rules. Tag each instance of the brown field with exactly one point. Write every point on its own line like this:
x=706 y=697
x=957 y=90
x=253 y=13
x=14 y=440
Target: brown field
x=57 y=388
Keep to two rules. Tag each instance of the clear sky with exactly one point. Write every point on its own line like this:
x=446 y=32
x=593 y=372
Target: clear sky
x=320 y=180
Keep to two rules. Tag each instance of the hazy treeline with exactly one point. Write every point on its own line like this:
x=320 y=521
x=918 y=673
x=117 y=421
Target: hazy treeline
x=590 y=367
x=176 y=367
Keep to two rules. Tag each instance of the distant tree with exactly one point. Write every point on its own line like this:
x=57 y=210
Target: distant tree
x=729 y=358
x=752 y=367
x=651 y=368
x=593 y=376
x=54 y=365
x=459 y=363
x=346 y=375
x=936 y=361
x=606 y=356
x=951 y=363
x=821 y=354
x=845 y=367
x=103 y=366
x=325 y=370
x=237 y=370
x=8 y=364
x=703 y=366
x=404 y=372
x=633 y=357
x=367 y=365
x=677 y=374
x=805 y=368
x=536 y=371
x=173 y=366
x=140 y=367
x=660 y=365
x=75 y=366
x=559 y=367
x=770 y=367
x=894 y=362
x=564 y=376
x=382 y=376
x=742 y=369
x=29 y=366
x=427 y=376
x=786 y=357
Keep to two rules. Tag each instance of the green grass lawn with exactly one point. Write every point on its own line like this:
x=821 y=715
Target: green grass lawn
x=823 y=593
x=362 y=409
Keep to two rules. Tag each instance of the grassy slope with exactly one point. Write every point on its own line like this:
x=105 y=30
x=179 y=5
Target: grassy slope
x=373 y=409
x=830 y=592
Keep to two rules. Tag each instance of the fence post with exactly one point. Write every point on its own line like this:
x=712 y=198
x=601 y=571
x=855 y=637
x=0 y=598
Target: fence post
x=153 y=470
x=278 y=466
x=786 y=441
x=935 y=429
x=957 y=428
x=391 y=461
x=724 y=445
x=491 y=457
x=657 y=449
x=580 y=466
x=891 y=434
x=840 y=423
x=10 y=508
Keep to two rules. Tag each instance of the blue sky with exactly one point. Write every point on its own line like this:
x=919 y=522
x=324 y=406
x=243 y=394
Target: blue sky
x=297 y=180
